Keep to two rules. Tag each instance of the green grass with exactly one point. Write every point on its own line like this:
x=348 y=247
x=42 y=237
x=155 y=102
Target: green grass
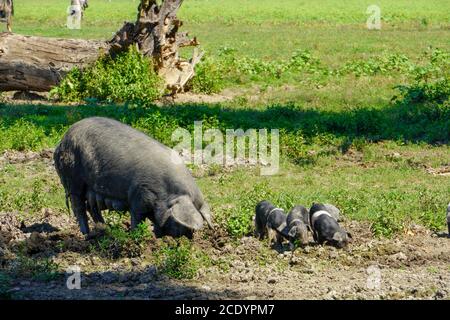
x=104 y=17
x=41 y=269
x=336 y=165
x=118 y=242
x=333 y=29
x=179 y=259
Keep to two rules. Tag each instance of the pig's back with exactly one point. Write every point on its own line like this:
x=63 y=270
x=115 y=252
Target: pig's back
x=114 y=156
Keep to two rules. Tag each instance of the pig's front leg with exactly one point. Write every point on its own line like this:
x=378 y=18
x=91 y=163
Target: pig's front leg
x=136 y=218
x=79 y=209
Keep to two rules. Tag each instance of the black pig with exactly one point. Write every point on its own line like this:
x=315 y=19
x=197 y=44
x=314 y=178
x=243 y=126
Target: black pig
x=105 y=164
x=326 y=228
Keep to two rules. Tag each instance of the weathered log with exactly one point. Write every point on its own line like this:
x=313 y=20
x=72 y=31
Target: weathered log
x=38 y=64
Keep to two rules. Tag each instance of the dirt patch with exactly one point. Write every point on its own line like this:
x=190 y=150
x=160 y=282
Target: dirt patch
x=440 y=171
x=14 y=157
x=189 y=97
x=415 y=265
x=20 y=97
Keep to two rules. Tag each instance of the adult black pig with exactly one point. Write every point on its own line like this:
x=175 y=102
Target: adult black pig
x=105 y=164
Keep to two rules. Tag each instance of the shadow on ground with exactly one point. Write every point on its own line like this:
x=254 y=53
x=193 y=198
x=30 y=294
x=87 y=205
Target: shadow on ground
x=416 y=123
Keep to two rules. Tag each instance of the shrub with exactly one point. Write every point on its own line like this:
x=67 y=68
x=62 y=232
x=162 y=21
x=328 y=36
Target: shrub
x=303 y=60
x=178 y=259
x=129 y=77
x=22 y=135
x=377 y=65
x=158 y=126
x=208 y=76
x=118 y=242
x=427 y=97
x=240 y=221
x=386 y=224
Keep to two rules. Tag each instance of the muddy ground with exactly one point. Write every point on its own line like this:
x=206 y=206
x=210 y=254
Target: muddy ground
x=414 y=265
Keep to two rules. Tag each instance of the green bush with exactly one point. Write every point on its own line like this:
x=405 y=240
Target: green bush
x=383 y=64
x=208 y=76
x=303 y=60
x=118 y=242
x=386 y=224
x=427 y=97
x=178 y=259
x=129 y=77
x=24 y=135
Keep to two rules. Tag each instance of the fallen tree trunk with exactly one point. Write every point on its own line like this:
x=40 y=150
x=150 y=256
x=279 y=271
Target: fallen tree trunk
x=38 y=64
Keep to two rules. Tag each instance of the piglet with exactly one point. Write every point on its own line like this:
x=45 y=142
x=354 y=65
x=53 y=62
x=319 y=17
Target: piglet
x=326 y=229
x=297 y=226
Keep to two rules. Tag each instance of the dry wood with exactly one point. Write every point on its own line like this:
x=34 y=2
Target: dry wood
x=38 y=64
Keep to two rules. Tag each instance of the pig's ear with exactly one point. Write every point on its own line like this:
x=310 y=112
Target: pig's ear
x=187 y=215
x=206 y=214
x=291 y=232
x=337 y=236
x=182 y=211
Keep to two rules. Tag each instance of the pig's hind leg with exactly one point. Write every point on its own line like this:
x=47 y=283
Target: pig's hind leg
x=79 y=209
x=93 y=209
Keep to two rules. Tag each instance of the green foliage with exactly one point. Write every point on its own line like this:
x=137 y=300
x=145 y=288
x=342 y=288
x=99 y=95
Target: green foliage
x=37 y=199
x=118 y=242
x=303 y=60
x=425 y=101
x=208 y=76
x=24 y=135
x=41 y=269
x=430 y=210
x=384 y=64
x=390 y=217
x=179 y=259
x=158 y=126
x=386 y=224
x=226 y=67
x=430 y=85
x=129 y=77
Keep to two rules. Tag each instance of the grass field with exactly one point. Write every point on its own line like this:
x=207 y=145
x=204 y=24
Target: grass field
x=310 y=69
x=327 y=114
